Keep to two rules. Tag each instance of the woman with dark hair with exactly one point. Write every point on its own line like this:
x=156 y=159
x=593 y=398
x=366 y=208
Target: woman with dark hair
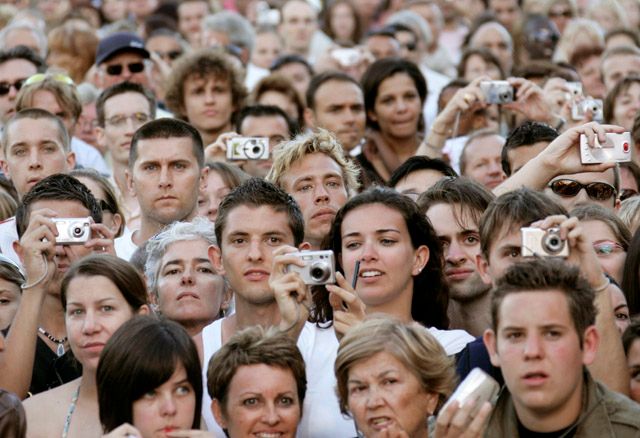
x=10 y=293
x=631 y=277
x=478 y=62
x=394 y=94
x=222 y=178
x=631 y=345
x=623 y=103
x=149 y=380
x=99 y=293
x=399 y=269
x=341 y=23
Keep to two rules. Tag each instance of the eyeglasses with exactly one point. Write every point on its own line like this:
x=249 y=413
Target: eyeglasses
x=116 y=69
x=607 y=247
x=627 y=193
x=410 y=46
x=120 y=121
x=41 y=77
x=558 y=14
x=172 y=54
x=5 y=87
x=598 y=191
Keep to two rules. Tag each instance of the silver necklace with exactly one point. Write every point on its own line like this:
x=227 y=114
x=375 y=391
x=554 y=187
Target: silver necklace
x=60 y=342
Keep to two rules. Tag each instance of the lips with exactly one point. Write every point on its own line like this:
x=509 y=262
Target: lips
x=95 y=347
x=458 y=274
x=187 y=295
x=380 y=423
x=535 y=378
x=370 y=274
x=268 y=434
x=256 y=274
x=324 y=213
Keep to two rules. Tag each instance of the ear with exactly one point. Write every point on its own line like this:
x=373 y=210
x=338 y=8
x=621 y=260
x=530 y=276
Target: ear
x=204 y=178
x=590 y=344
x=117 y=222
x=432 y=402
x=19 y=251
x=215 y=257
x=309 y=118
x=304 y=246
x=144 y=310
x=100 y=137
x=71 y=160
x=131 y=187
x=5 y=169
x=420 y=259
x=482 y=267
x=216 y=409
x=490 y=341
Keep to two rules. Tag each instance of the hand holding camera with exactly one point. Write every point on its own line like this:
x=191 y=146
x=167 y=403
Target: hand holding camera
x=615 y=149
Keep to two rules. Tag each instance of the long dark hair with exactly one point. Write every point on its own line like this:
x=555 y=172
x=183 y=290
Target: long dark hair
x=430 y=291
x=630 y=278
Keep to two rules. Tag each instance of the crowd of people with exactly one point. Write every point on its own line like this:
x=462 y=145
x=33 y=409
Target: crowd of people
x=295 y=218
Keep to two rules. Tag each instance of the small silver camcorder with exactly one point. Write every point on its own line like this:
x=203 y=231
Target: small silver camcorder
x=579 y=109
x=497 y=91
x=248 y=148
x=319 y=267
x=72 y=231
x=617 y=148
x=537 y=242
x=478 y=386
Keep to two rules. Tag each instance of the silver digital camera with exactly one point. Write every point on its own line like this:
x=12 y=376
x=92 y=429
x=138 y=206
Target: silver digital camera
x=579 y=109
x=248 y=148
x=497 y=91
x=319 y=267
x=617 y=148
x=346 y=57
x=478 y=386
x=72 y=231
x=575 y=88
x=537 y=242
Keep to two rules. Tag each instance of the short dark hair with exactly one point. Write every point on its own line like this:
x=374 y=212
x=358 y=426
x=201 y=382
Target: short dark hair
x=527 y=134
x=167 y=128
x=630 y=283
x=517 y=208
x=122 y=88
x=257 y=192
x=25 y=53
x=140 y=356
x=37 y=114
x=472 y=197
x=631 y=333
x=545 y=275
x=290 y=59
x=383 y=69
x=486 y=55
x=265 y=111
x=320 y=79
x=128 y=281
x=583 y=54
x=60 y=187
x=417 y=163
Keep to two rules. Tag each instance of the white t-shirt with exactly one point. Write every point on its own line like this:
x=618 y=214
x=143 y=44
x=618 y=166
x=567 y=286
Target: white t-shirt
x=88 y=157
x=321 y=415
x=8 y=235
x=124 y=245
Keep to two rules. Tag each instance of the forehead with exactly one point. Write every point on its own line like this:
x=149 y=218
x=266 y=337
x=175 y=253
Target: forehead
x=451 y=218
x=165 y=149
x=396 y=83
x=259 y=220
x=33 y=131
x=193 y=7
x=312 y=165
x=297 y=8
x=487 y=145
x=508 y=235
x=186 y=250
x=209 y=79
x=264 y=126
x=162 y=42
x=130 y=102
x=489 y=34
x=339 y=92
x=64 y=208
x=371 y=218
x=46 y=100
x=16 y=68
x=534 y=308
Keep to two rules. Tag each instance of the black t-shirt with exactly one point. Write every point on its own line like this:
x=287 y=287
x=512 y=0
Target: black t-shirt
x=567 y=432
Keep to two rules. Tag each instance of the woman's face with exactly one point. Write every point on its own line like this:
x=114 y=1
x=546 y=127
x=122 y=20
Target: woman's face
x=560 y=13
x=607 y=247
x=266 y=50
x=95 y=310
x=212 y=195
x=114 y=10
x=378 y=236
x=168 y=408
x=343 y=23
x=476 y=66
x=282 y=101
x=262 y=400
x=633 y=363
x=626 y=106
x=9 y=302
x=384 y=396
x=397 y=108
x=620 y=308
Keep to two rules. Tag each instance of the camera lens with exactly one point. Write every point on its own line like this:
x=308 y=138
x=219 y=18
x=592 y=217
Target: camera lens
x=552 y=242
x=256 y=149
x=77 y=231
x=319 y=271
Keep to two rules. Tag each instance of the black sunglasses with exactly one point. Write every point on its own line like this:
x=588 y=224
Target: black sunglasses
x=627 y=193
x=5 y=87
x=598 y=191
x=116 y=69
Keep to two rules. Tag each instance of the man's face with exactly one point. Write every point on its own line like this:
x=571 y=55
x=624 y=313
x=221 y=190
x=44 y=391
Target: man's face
x=496 y=42
x=249 y=237
x=460 y=239
x=266 y=49
x=418 y=182
x=570 y=202
x=483 y=161
x=12 y=72
x=208 y=103
x=518 y=157
x=123 y=115
x=273 y=127
x=538 y=351
x=339 y=108
x=190 y=15
x=124 y=67
x=166 y=47
x=507 y=12
x=33 y=152
x=165 y=178
x=432 y=16
x=504 y=251
x=142 y=8
x=617 y=67
x=298 y=74
x=410 y=47
x=316 y=183
x=382 y=46
x=299 y=22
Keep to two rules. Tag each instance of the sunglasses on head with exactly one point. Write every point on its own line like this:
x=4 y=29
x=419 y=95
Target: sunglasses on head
x=598 y=191
x=116 y=69
x=41 y=77
x=5 y=87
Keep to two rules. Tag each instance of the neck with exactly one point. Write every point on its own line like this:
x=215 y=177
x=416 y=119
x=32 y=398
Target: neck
x=119 y=176
x=88 y=386
x=194 y=327
x=211 y=136
x=150 y=227
x=472 y=315
x=248 y=315
x=52 y=316
x=404 y=148
x=399 y=308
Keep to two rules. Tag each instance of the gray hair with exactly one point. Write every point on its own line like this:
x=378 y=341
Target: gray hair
x=413 y=21
x=198 y=229
x=87 y=92
x=41 y=38
x=238 y=28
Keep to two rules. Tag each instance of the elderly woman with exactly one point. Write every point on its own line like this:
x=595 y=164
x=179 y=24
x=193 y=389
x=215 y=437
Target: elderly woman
x=257 y=382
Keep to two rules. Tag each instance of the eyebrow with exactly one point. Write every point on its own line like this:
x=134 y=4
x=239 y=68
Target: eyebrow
x=180 y=261
x=620 y=306
x=380 y=231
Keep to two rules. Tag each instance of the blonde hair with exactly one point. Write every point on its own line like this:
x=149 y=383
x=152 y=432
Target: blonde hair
x=411 y=344
x=629 y=213
x=322 y=141
x=578 y=26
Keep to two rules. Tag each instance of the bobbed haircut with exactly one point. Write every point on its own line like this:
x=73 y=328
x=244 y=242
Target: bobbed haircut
x=167 y=128
x=140 y=356
x=255 y=346
x=128 y=281
x=430 y=293
x=545 y=275
x=255 y=193
x=383 y=69
x=411 y=344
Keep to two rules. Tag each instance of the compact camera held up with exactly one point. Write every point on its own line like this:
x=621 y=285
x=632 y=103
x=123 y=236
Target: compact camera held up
x=579 y=109
x=617 y=148
x=248 y=148
x=497 y=92
x=537 y=242
x=72 y=231
x=478 y=386
x=319 y=268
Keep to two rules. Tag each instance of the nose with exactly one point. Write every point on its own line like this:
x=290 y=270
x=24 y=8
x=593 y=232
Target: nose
x=270 y=415
x=165 y=177
x=374 y=398
x=89 y=324
x=167 y=406
x=320 y=194
x=208 y=97
x=187 y=276
x=454 y=254
x=495 y=168
x=532 y=347
x=34 y=159
x=255 y=251
x=369 y=252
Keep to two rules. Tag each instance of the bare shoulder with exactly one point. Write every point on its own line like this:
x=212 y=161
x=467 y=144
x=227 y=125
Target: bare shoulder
x=46 y=411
